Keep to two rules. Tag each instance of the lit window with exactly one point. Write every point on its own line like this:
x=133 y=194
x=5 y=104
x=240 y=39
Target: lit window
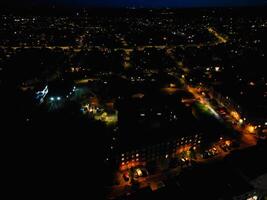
x=137 y=155
x=122 y=159
x=198 y=141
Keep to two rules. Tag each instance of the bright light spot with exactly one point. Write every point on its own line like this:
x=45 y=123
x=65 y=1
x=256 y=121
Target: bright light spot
x=240 y=121
x=58 y=98
x=172 y=85
x=142 y=115
x=235 y=115
x=217 y=69
x=139 y=172
x=166 y=156
x=52 y=98
x=137 y=155
x=253 y=198
x=250 y=129
x=228 y=142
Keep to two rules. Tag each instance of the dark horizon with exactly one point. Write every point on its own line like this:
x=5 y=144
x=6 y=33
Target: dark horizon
x=130 y=3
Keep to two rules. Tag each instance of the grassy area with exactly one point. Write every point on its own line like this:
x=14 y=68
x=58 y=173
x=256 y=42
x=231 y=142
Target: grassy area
x=203 y=109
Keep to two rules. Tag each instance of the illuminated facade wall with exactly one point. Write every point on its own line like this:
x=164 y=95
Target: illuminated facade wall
x=158 y=151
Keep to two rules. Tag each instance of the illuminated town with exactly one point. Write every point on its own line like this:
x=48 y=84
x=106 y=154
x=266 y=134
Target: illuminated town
x=177 y=96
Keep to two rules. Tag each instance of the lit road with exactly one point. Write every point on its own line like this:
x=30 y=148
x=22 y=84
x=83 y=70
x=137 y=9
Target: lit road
x=232 y=117
x=217 y=35
x=220 y=38
x=144 y=182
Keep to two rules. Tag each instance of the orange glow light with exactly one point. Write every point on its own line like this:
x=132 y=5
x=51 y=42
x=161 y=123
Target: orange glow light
x=250 y=129
x=235 y=115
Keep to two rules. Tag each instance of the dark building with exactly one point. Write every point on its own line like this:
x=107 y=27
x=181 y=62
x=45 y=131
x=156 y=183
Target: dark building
x=151 y=130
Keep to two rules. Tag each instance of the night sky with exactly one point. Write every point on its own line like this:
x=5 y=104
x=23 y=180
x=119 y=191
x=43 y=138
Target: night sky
x=139 y=3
